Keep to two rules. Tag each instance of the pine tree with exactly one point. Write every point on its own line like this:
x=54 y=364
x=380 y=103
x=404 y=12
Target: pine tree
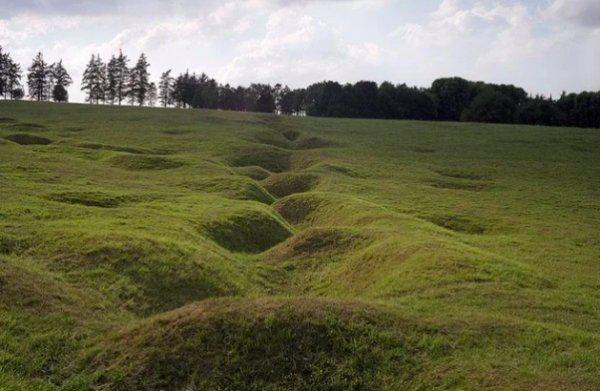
x=4 y=69
x=40 y=78
x=10 y=75
x=138 y=81
x=60 y=94
x=122 y=78
x=112 y=80
x=17 y=93
x=166 y=89
x=101 y=66
x=178 y=93
x=152 y=94
x=94 y=80
x=14 y=81
x=61 y=81
x=87 y=81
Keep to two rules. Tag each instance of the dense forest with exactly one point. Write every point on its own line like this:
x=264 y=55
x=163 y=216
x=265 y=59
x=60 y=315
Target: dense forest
x=447 y=99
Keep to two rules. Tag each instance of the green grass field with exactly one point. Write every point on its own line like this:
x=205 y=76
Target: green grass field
x=183 y=249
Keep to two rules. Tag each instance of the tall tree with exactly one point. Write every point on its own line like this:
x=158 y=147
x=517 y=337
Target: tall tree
x=299 y=105
x=581 y=109
x=121 y=78
x=101 y=66
x=61 y=81
x=540 y=111
x=40 y=78
x=232 y=98
x=166 y=89
x=13 y=84
x=490 y=106
x=10 y=75
x=324 y=99
x=178 y=91
x=454 y=95
x=152 y=94
x=60 y=94
x=184 y=89
x=89 y=80
x=17 y=93
x=260 y=98
x=4 y=66
x=205 y=92
x=388 y=100
x=363 y=99
x=112 y=79
x=94 y=80
x=285 y=101
x=138 y=81
x=403 y=102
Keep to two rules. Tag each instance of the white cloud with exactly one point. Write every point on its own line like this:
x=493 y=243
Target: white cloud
x=546 y=47
x=18 y=29
x=290 y=47
x=488 y=25
x=300 y=49
x=505 y=41
x=580 y=12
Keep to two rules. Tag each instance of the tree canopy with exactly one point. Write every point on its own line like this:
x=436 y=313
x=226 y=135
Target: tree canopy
x=447 y=99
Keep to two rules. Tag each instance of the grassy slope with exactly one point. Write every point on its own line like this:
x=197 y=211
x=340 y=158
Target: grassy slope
x=360 y=254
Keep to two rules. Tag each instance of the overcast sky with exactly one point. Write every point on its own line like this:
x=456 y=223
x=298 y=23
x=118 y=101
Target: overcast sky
x=545 y=46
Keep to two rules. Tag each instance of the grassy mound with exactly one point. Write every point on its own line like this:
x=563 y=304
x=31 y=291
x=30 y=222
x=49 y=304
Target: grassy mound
x=38 y=313
x=341 y=169
x=175 y=132
x=312 y=143
x=92 y=198
x=260 y=344
x=10 y=243
x=25 y=285
x=423 y=150
x=255 y=172
x=270 y=158
x=459 y=174
x=117 y=148
x=5 y=120
x=234 y=187
x=458 y=185
x=421 y=266
x=74 y=129
x=314 y=241
x=330 y=209
x=28 y=139
x=143 y=162
x=248 y=228
x=26 y=127
x=298 y=207
x=459 y=224
x=144 y=275
x=510 y=296
x=290 y=139
x=290 y=134
x=282 y=185
x=390 y=262
x=271 y=137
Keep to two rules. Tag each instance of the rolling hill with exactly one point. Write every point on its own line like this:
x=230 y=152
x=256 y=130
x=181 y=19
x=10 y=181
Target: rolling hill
x=175 y=249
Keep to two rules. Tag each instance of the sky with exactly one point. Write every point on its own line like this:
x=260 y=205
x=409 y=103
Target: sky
x=544 y=46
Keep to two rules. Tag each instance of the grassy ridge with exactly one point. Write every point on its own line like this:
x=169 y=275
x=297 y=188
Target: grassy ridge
x=151 y=248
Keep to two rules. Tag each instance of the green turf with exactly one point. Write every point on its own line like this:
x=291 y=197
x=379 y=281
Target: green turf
x=183 y=249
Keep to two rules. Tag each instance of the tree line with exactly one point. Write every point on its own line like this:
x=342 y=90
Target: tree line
x=447 y=99
x=114 y=82
x=45 y=80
